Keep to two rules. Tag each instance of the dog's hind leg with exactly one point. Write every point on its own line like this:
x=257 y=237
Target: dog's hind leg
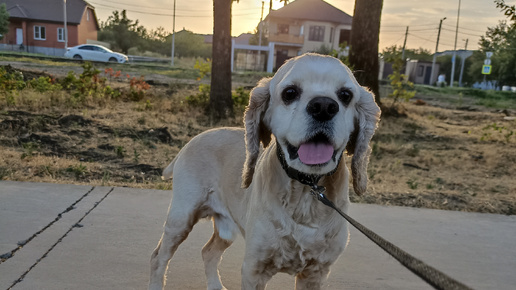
x=182 y=216
x=212 y=255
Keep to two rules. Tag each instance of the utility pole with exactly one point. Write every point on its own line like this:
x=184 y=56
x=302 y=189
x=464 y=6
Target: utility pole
x=455 y=48
x=173 y=34
x=270 y=6
x=432 y=80
x=65 y=30
x=404 y=44
x=463 y=59
x=260 y=27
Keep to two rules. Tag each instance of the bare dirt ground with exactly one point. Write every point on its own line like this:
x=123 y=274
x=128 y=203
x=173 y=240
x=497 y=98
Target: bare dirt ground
x=438 y=155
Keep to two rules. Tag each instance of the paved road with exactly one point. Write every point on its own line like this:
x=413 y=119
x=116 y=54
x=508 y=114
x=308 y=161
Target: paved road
x=83 y=237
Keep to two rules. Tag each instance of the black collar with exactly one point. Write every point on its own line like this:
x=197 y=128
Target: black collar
x=307 y=179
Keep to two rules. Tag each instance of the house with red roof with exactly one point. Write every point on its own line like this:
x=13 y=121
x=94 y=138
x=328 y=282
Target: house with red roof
x=306 y=26
x=38 y=26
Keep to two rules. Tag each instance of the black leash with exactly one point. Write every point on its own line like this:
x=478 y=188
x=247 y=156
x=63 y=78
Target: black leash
x=432 y=276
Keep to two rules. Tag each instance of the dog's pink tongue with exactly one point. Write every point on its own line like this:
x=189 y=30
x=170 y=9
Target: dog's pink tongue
x=315 y=153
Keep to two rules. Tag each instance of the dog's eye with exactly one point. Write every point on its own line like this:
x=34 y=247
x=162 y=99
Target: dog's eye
x=290 y=94
x=345 y=96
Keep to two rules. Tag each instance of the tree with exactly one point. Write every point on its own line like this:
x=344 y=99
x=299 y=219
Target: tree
x=501 y=40
x=190 y=44
x=419 y=54
x=158 y=40
x=255 y=39
x=402 y=88
x=121 y=32
x=365 y=30
x=221 y=103
x=509 y=11
x=4 y=20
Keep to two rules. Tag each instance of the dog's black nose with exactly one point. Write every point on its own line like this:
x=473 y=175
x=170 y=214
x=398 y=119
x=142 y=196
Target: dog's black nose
x=322 y=108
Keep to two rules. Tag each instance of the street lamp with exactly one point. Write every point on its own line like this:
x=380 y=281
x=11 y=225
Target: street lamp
x=432 y=80
x=455 y=48
x=65 y=31
x=173 y=34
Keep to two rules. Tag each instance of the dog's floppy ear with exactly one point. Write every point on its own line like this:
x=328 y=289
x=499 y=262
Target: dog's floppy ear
x=255 y=129
x=366 y=122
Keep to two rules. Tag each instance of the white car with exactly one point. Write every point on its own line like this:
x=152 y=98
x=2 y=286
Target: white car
x=96 y=53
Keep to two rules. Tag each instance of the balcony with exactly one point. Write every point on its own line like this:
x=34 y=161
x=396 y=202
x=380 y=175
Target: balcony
x=287 y=38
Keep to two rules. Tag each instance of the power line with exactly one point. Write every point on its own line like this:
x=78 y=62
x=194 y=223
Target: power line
x=409 y=25
x=416 y=36
x=462 y=28
x=165 y=14
x=428 y=39
x=161 y=8
x=432 y=29
x=471 y=34
x=397 y=40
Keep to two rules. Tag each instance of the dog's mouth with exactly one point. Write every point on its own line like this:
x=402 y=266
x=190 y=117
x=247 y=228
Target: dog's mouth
x=317 y=150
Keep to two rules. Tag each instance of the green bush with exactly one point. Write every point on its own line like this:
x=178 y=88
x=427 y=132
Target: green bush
x=11 y=81
x=44 y=84
x=202 y=99
x=402 y=88
x=240 y=98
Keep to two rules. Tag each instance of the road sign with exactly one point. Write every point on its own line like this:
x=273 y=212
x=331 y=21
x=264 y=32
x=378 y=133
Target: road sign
x=486 y=69
x=489 y=54
x=487 y=61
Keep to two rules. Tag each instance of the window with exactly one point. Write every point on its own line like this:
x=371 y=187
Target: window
x=282 y=28
x=39 y=33
x=316 y=33
x=99 y=49
x=344 y=36
x=86 y=47
x=60 y=34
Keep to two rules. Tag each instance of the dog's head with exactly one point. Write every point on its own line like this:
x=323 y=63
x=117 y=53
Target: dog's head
x=316 y=110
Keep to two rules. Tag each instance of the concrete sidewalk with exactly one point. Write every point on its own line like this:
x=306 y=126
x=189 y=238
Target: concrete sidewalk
x=83 y=237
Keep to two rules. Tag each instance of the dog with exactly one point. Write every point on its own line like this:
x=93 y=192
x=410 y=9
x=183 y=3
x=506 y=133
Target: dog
x=256 y=181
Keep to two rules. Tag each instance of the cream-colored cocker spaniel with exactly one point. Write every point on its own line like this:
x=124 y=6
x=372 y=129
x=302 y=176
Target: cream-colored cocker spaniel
x=305 y=117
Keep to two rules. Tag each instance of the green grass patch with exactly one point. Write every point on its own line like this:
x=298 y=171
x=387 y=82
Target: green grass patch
x=487 y=98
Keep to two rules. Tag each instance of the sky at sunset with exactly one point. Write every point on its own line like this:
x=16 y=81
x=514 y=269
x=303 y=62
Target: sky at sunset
x=422 y=17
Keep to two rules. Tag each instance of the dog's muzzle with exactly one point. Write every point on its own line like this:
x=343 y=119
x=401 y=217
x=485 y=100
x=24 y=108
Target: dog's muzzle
x=317 y=150
x=305 y=178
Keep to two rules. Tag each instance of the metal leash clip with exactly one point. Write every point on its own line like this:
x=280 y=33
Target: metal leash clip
x=318 y=191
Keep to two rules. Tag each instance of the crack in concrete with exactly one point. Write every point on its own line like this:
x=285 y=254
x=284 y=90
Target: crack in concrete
x=76 y=225
x=22 y=243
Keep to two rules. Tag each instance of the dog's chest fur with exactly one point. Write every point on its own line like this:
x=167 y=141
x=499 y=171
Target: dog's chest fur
x=308 y=239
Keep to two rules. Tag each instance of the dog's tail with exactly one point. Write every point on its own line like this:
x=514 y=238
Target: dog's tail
x=167 y=172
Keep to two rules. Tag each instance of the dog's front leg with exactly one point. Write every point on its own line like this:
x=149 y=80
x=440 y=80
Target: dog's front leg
x=312 y=280
x=254 y=276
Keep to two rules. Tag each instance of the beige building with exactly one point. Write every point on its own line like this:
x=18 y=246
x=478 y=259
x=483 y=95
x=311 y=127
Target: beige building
x=306 y=26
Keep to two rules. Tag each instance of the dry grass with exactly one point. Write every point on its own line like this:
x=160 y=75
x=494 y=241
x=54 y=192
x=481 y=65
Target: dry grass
x=435 y=157
x=441 y=158
x=102 y=143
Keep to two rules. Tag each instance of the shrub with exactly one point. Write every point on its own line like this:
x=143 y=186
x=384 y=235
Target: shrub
x=44 y=84
x=137 y=88
x=240 y=98
x=11 y=81
x=202 y=99
x=402 y=88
